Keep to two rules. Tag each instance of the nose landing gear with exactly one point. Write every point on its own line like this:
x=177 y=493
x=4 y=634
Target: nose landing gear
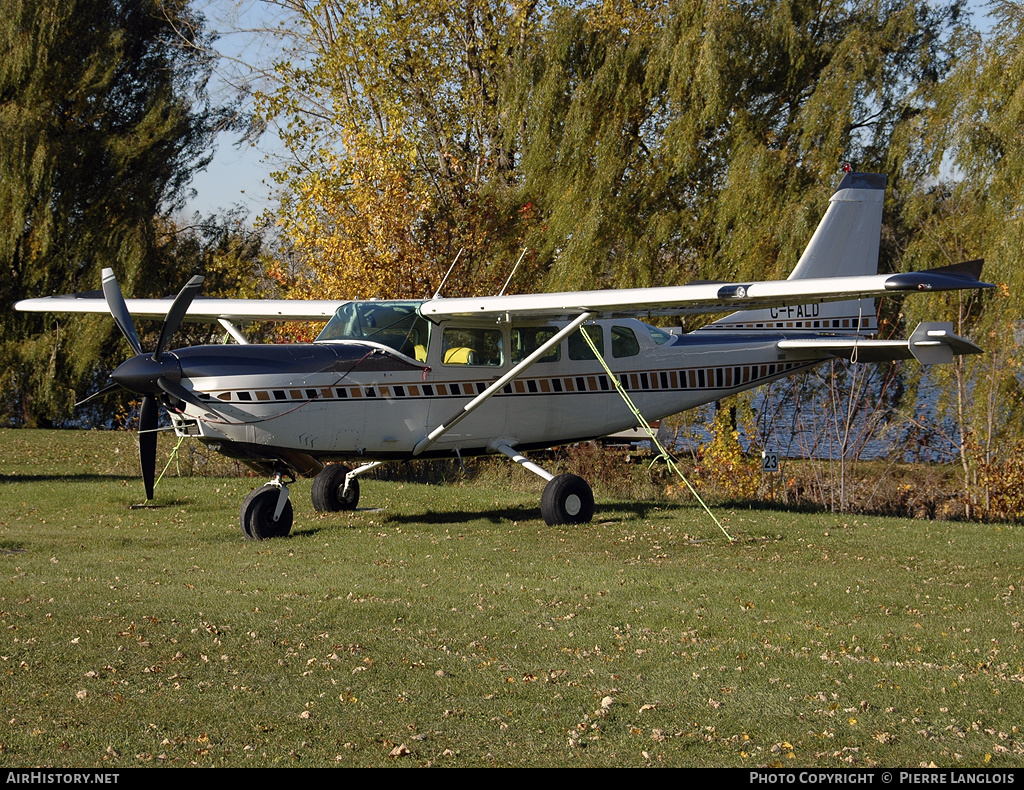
x=267 y=512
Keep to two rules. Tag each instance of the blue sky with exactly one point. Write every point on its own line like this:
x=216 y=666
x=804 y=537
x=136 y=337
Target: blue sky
x=239 y=174
x=236 y=176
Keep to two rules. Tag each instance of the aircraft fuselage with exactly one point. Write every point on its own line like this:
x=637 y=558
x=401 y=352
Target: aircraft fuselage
x=361 y=399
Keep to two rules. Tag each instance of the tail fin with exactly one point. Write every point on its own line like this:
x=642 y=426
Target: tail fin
x=844 y=244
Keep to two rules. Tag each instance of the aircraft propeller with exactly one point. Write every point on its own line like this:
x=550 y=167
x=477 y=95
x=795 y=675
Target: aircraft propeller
x=150 y=375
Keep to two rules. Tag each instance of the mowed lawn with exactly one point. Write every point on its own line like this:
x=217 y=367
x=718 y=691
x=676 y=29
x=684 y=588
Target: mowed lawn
x=450 y=626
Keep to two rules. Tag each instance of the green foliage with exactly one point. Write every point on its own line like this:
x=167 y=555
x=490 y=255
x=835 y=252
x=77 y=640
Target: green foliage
x=976 y=123
x=622 y=143
x=704 y=145
x=103 y=122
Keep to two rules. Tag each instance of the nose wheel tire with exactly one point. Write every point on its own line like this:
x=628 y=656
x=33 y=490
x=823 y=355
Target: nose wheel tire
x=567 y=499
x=329 y=493
x=257 y=516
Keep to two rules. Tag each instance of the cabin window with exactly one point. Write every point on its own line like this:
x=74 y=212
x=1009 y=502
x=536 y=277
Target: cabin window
x=527 y=339
x=467 y=346
x=578 y=348
x=624 y=342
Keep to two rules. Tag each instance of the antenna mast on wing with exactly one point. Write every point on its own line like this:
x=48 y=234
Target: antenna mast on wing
x=502 y=292
x=437 y=293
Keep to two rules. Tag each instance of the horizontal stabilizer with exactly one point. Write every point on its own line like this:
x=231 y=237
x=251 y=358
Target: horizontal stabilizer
x=930 y=344
x=934 y=343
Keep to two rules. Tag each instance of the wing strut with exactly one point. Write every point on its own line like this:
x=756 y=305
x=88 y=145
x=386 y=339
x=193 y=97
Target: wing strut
x=234 y=331
x=513 y=374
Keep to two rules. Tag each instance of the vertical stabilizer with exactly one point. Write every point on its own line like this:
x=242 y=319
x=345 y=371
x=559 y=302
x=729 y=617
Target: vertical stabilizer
x=844 y=244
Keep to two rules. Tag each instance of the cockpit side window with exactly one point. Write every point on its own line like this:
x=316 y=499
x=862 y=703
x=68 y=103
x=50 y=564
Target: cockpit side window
x=624 y=342
x=396 y=325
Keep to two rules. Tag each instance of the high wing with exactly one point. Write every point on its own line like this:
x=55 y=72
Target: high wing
x=706 y=297
x=611 y=303
x=201 y=310
x=839 y=264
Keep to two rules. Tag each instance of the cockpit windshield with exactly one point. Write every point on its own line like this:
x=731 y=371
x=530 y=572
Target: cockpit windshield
x=393 y=324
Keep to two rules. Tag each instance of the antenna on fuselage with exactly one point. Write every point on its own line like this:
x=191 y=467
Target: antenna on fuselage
x=502 y=291
x=437 y=293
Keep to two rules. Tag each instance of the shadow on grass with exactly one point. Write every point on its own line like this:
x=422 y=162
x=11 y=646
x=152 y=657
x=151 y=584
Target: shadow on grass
x=774 y=507
x=603 y=513
x=606 y=514
x=495 y=516
x=88 y=477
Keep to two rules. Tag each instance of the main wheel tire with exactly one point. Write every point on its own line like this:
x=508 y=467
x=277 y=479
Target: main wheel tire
x=567 y=499
x=329 y=490
x=257 y=516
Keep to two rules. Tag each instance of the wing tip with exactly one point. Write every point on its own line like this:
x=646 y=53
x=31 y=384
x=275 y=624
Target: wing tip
x=955 y=277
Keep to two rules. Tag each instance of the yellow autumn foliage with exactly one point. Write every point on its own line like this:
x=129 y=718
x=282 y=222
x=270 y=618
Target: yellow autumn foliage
x=397 y=148
x=355 y=224
x=723 y=465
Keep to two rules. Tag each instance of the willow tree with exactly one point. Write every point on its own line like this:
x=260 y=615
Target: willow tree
x=975 y=211
x=391 y=117
x=701 y=138
x=103 y=122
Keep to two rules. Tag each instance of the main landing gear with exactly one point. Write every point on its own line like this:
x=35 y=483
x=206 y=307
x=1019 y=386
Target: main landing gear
x=267 y=511
x=334 y=489
x=567 y=498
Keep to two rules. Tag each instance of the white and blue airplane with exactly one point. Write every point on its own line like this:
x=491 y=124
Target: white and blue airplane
x=438 y=378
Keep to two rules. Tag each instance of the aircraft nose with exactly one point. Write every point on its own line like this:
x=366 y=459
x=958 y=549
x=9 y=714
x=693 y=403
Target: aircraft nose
x=141 y=373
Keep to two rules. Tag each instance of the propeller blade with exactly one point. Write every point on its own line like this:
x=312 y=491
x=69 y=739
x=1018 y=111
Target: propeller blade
x=176 y=390
x=99 y=393
x=119 y=310
x=147 y=442
x=177 y=312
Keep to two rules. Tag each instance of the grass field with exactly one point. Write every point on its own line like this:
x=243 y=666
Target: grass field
x=449 y=626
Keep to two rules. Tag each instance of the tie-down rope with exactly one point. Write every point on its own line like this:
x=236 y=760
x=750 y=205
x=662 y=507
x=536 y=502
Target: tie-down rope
x=663 y=454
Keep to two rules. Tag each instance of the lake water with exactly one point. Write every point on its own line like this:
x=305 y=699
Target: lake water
x=857 y=411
